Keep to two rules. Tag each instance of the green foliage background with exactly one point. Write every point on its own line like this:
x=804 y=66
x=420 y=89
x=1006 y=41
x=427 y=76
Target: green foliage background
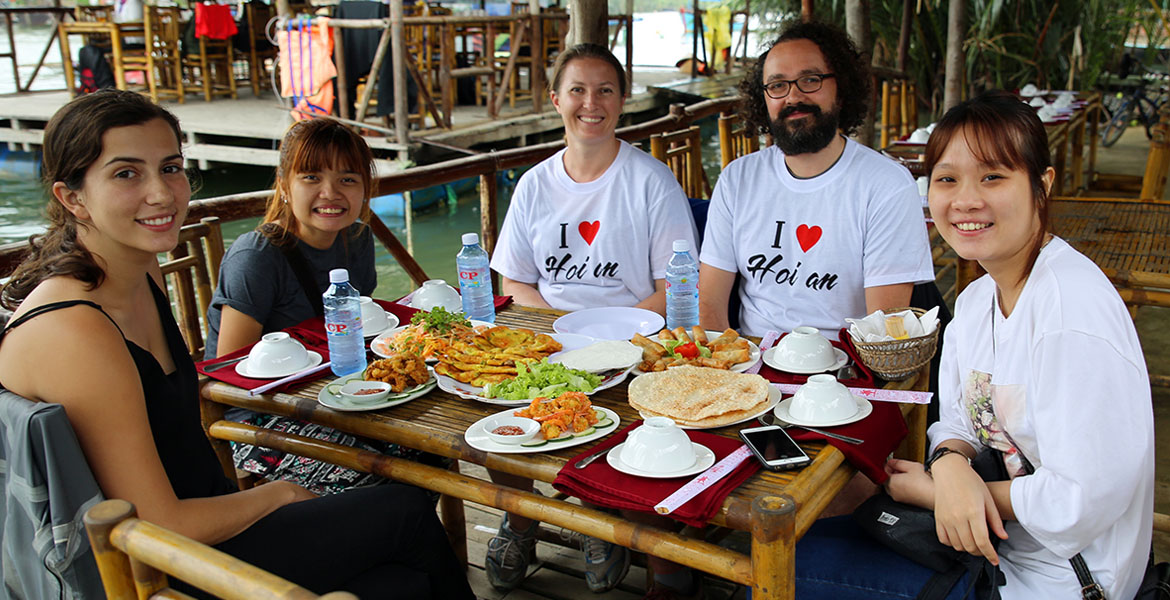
x=1009 y=43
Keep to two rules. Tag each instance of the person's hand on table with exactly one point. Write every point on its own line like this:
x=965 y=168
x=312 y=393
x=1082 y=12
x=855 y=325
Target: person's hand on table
x=965 y=513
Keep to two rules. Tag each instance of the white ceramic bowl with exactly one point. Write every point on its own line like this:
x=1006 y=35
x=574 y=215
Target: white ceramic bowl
x=277 y=353
x=822 y=399
x=375 y=391
x=658 y=445
x=436 y=292
x=374 y=318
x=530 y=427
x=805 y=349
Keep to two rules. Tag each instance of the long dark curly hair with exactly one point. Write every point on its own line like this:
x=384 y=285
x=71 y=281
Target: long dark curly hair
x=849 y=66
x=72 y=142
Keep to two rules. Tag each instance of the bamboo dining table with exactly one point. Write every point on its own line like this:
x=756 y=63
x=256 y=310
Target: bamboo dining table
x=776 y=507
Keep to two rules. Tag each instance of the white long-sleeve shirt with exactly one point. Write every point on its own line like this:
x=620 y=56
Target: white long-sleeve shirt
x=1064 y=381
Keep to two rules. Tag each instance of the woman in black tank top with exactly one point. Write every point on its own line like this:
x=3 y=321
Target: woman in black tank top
x=93 y=332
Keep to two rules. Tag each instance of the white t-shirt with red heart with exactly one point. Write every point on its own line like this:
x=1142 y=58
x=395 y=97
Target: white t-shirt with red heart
x=806 y=249
x=601 y=243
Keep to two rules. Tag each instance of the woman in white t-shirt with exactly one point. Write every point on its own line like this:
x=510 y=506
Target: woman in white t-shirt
x=1042 y=363
x=592 y=225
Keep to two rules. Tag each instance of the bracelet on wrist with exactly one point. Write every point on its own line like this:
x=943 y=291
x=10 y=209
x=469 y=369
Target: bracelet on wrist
x=940 y=452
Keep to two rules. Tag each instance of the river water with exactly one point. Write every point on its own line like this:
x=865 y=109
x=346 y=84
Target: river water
x=435 y=232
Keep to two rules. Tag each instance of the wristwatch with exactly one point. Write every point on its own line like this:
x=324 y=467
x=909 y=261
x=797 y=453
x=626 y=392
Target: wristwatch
x=940 y=452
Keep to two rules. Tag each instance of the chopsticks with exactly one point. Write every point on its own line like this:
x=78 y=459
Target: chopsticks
x=295 y=376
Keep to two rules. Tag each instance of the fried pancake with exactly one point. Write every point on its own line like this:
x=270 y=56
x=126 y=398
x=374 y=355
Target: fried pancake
x=699 y=395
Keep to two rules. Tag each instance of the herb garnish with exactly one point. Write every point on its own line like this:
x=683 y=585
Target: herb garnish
x=439 y=320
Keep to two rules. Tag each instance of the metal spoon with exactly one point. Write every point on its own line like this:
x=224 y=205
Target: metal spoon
x=220 y=365
x=847 y=372
x=769 y=419
x=589 y=460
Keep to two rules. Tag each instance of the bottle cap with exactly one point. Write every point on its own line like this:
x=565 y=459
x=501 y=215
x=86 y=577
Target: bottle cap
x=682 y=246
x=470 y=238
x=339 y=276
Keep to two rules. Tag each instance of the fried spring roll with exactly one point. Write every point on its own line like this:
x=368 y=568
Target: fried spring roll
x=665 y=334
x=651 y=350
x=699 y=334
x=680 y=334
x=728 y=336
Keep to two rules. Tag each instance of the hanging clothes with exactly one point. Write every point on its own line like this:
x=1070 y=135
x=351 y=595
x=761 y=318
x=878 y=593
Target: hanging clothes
x=360 y=45
x=214 y=21
x=306 y=65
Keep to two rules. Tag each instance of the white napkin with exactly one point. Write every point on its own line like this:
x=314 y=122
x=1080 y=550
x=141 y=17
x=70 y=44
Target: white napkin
x=1029 y=90
x=872 y=328
x=1037 y=102
x=920 y=136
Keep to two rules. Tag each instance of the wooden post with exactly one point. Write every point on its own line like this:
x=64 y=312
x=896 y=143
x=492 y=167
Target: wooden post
x=885 y=113
x=953 y=87
x=773 y=547
x=284 y=9
x=446 y=61
x=488 y=217
x=857 y=22
x=806 y=10
x=66 y=60
x=372 y=79
x=112 y=563
x=398 y=60
x=694 y=39
x=454 y=520
x=344 y=103
x=589 y=21
x=539 y=59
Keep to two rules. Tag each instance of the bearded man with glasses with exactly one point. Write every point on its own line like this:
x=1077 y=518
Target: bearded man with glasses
x=817 y=227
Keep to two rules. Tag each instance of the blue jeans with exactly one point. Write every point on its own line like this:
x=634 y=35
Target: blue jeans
x=836 y=560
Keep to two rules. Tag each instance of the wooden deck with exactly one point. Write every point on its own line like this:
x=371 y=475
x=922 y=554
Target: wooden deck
x=558 y=572
x=247 y=130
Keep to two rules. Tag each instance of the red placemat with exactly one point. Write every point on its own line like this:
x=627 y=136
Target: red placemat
x=882 y=431
x=228 y=374
x=601 y=484
x=865 y=377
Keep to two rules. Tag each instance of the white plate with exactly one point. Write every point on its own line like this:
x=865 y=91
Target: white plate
x=610 y=322
x=737 y=367
x=331 y=400
x=379 y=344
x=704 y=458
x=470 y=392
x=391 y=323
x=773 y=399
x=770 y=359
x=477 y=437
x=242 y=368
x=864 y=408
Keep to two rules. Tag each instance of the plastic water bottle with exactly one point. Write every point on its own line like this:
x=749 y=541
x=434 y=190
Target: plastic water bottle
x=475 y=280
x=682 y=287
x=343 y=325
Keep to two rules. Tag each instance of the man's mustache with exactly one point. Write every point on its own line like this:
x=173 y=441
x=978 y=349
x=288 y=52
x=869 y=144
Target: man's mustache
x=812 y=109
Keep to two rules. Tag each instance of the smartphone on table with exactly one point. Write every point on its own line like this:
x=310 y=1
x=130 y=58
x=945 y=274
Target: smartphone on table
x=773 y=446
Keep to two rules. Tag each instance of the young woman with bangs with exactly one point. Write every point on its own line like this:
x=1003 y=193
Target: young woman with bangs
x=90 y=299
x=1041 y=363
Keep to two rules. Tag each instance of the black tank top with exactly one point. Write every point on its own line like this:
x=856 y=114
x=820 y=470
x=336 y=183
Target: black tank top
x=172 y=404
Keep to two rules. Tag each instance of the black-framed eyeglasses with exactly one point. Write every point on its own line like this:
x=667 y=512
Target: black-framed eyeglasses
x=805 y=83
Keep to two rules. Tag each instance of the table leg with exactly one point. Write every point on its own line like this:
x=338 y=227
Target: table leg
x=454 y=521
x=66 y=60
x=773 y=548
x=1078 y=150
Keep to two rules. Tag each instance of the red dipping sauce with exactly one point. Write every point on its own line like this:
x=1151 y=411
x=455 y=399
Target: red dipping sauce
x=508 y=430
x=367 y=392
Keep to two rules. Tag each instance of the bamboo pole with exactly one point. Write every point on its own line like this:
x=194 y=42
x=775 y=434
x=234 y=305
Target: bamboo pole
x=398 y=60
x=773 y=547
x=372 y=79
x=511 y=67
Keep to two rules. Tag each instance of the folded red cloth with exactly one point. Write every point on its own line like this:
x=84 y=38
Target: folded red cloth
x=214 y=21
x=228 y=374
x=882 y=431
x=601 y=484
x=864 y=378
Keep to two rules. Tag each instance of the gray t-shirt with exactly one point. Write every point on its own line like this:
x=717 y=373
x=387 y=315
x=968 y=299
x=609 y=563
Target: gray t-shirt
x=256 y=279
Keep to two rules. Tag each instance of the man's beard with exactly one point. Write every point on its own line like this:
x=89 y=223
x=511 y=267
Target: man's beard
x=803 y=136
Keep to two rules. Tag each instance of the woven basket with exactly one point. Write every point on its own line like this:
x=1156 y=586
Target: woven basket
x=898 y=359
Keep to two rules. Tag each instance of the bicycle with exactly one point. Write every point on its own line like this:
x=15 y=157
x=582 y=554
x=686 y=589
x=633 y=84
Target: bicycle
x=1134 y=106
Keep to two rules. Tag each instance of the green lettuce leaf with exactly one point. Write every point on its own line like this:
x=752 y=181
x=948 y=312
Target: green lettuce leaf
x=542 y=380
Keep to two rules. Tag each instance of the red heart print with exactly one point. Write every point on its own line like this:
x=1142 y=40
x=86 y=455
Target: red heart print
x=588 y=230
x=808 y=236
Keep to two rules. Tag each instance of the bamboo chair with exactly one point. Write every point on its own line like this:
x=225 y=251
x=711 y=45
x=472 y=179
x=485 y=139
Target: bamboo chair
x=682 y=152
x=192 y=270
x=94 y=14
x=899 y=110
x=1127 y=235
x=260 y=50
x=164 y=60
x=135 y=557
x=735 y=139
x=211 y=68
